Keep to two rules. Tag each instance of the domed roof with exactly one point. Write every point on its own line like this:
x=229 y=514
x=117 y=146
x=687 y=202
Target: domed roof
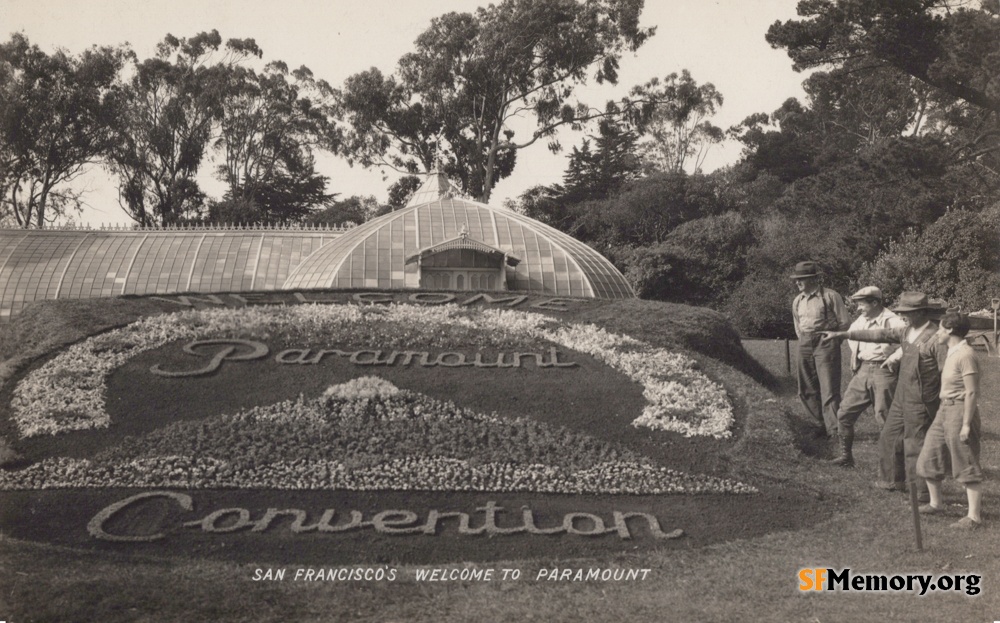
x=375 y=254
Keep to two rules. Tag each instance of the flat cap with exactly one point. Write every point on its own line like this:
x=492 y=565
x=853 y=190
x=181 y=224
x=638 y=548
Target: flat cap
x=867 y=292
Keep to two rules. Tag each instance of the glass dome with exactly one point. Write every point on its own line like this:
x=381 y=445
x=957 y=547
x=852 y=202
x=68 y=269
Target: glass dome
x=400 y=250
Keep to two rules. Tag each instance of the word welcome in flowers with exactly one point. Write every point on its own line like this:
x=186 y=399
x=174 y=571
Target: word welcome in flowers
x=248 y=299
x=249 y=350
x=391 y=522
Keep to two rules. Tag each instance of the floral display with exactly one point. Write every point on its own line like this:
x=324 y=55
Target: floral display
x=367 y=434
x=67 y=393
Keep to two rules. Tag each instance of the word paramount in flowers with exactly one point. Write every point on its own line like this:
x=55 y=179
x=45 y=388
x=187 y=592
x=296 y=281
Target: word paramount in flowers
x=390 y=522
x=222 y=350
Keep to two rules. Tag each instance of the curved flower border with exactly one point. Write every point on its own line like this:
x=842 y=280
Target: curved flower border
x=67 y=393
x=554 y=463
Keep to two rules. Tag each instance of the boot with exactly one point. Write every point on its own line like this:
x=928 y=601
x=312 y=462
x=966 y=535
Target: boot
x=846 y=458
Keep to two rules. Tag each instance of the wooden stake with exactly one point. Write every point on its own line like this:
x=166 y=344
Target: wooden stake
x=916 y=514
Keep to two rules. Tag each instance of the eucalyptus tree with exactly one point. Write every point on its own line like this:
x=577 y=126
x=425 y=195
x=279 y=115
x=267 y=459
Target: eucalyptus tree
x=173 y=101
x=270 y=124
x=455 y=101
x=56 y=112
x=679 y=133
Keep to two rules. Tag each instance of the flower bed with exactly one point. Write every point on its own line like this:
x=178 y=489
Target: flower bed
x=367 y=434
x=67 y=393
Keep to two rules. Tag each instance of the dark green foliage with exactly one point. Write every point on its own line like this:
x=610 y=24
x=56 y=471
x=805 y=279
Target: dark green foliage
x=874 y=196
x=270 y=123
x=233 y=211
x=949 y=51
x=954 y=50
x=600 y=173
x=266 y=126
x=699 y=263
x=351 y=211
x=644 y=211
x=590 y=175
x=956 y=259
x=292 y=196
x=402 y=189
x=761 y=306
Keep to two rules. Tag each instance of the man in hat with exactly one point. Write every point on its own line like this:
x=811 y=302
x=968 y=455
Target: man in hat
x=873 y=365
x=916 y=400
x=814 y=310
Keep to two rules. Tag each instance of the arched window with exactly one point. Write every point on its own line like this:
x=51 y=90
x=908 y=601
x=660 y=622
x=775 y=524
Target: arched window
x=460 y=281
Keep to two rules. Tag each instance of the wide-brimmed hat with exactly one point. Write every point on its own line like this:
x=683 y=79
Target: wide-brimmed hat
x=805 y=269
x=867 y=292
x=912 y=301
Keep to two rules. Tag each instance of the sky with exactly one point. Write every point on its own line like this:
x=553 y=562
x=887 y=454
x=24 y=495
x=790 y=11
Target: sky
x=718 y=41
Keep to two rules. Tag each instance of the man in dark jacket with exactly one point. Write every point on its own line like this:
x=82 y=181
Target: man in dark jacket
x=916 y=399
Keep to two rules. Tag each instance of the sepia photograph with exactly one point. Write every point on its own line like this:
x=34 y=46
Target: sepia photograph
x=531 y=310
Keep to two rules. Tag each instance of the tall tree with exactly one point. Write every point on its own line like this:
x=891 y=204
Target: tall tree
x=55 y=117
x=679 y=129
x=291 y=196
x=849 y=110
x=455 y=96
x=270 y=123
x=600 y=173
x=591 y=175
x=165 y=129
x=951 y=46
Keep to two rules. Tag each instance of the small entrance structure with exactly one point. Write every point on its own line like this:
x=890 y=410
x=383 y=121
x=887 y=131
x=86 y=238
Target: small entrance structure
x=463 y=263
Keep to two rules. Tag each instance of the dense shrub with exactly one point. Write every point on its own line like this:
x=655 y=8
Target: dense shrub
x=700 y=263
x=957 y=259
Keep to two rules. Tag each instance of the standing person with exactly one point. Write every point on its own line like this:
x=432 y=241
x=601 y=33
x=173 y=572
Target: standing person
x=874 y=380
x=814 y=310
x=915 y=402
x=953 y=439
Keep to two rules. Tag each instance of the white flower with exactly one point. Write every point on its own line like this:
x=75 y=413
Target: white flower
x=364 y=387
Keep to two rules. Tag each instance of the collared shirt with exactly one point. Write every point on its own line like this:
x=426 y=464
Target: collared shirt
x=821 y=310
x=874 y=351
x=961 y=362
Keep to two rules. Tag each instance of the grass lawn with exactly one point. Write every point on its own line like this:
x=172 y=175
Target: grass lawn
x=750 y=579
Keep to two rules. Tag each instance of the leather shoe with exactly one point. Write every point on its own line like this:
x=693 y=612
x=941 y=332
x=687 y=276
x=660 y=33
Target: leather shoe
x=930 y=509
x=966 y=523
